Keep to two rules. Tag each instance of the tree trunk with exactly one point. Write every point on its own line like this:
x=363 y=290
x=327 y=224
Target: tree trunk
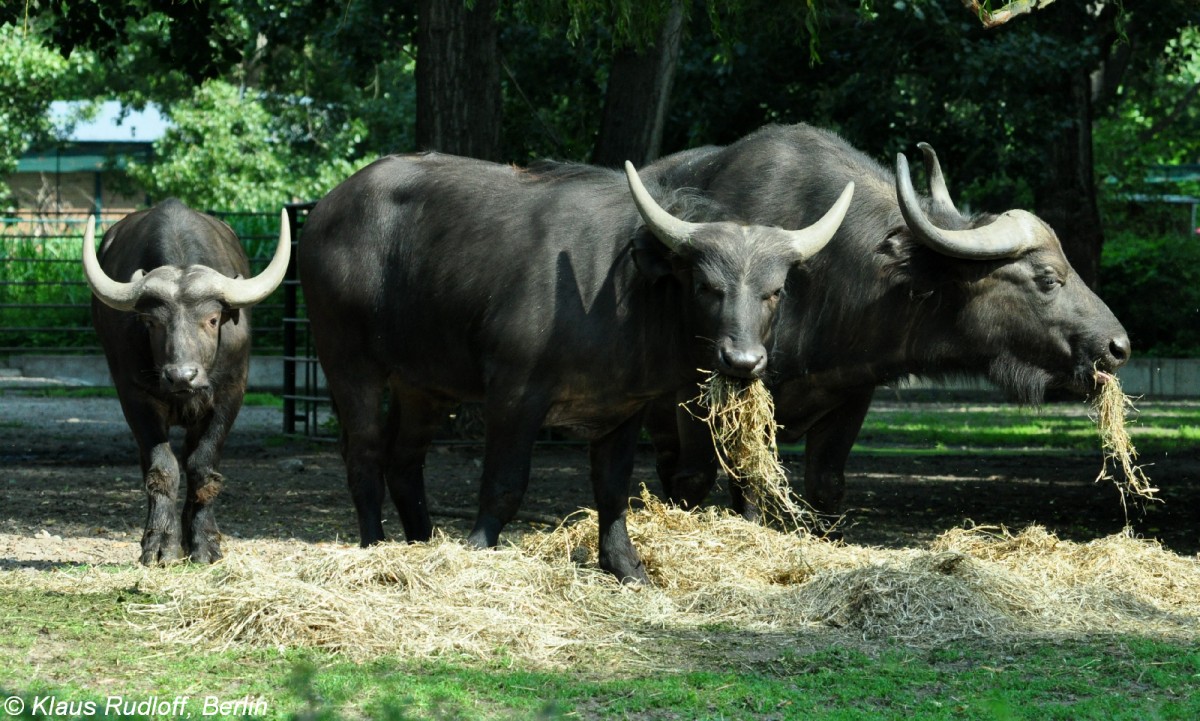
x=636 y=100
x=1067 y=196
x=458 y=78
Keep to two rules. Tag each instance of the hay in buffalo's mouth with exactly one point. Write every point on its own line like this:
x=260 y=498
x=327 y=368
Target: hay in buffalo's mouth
x=740 y=415
x=1110 y=409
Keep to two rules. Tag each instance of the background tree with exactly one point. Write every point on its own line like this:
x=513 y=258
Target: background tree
x=221 y=153
x=30 y=74
x=1009 y=109
x=458 y=78
x=638 y=93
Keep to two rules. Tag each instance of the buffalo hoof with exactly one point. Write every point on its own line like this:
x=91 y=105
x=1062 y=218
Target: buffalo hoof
x=202 y=540
x=630 y=571
x=207 y=552
x=160 y=548
x=689 y=490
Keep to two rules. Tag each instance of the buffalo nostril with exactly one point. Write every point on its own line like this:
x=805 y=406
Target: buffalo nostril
x=1119 y=348
x=742 y=363
x=180 y=375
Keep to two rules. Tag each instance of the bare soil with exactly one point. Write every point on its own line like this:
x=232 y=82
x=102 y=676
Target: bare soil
x=71 y=493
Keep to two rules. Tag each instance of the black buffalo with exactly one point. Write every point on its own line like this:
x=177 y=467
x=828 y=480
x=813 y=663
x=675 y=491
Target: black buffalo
x=170 y=305
x=909 y=285
x=441 y=279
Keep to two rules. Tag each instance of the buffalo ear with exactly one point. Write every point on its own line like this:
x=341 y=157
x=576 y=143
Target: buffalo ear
x=897 y=250
x=233 y=314
x=651 y=257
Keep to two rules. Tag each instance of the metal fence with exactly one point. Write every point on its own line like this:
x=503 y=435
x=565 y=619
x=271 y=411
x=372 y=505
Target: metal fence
x=306 y=405
x=45 y=309
x=45 y=303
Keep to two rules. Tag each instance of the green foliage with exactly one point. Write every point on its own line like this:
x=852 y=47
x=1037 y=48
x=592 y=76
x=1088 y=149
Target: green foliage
x=1156 y=124
x=226 y=151
x=1152 y=284
x=30 y=73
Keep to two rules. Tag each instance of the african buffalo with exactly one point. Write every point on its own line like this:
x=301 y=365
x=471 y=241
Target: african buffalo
x=540 y=293
x=171 y=306
x=909 y=285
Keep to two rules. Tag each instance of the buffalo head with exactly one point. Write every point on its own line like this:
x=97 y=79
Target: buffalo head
x=1023 y=309
x=184 y=308
x=733 y=273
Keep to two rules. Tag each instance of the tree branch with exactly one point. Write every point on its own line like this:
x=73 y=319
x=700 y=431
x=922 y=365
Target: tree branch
x=992 y=18
x=1185 y=101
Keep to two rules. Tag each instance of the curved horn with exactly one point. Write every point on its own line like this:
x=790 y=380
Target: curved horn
x=807 y=241
x=673 y=232
x=937 y=181
x=1005 y=237
x=241 y=292
x=113 y=293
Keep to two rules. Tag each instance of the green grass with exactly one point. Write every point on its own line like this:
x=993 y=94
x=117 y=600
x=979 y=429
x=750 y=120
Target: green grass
x=82 y=648
x=939 y=428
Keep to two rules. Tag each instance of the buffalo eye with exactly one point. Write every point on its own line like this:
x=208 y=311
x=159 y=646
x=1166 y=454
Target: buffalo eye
x=1048 y=282
x=214 y=320
x=774 y=295
x=705 y=288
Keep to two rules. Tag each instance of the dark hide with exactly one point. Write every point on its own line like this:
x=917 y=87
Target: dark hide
x=176 y=361
x=877 y=305
x=540 y=293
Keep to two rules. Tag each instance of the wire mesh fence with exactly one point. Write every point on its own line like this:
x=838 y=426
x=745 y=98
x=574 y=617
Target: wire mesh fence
x=45 y=304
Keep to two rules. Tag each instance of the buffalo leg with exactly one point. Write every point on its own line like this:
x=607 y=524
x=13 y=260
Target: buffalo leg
x=203 y=444
x=160 y=539
x=358 y=402
x=512 y=428
x=686 y=459
x=612 y=466
x=160 y=473
x=826 y=450
x=413 y=421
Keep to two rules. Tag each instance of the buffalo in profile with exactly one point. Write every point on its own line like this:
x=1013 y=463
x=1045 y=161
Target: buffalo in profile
x=548 y=295
x=171 y=307
x=909 y=285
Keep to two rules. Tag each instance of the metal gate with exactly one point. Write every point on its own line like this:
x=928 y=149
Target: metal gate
x=306 y=407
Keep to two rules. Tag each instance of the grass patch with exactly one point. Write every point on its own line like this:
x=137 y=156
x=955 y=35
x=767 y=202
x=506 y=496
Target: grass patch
x=82 y=648
x=1061 y=427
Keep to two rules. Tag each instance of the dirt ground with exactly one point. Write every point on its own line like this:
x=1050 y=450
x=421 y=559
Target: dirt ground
x=70 y=489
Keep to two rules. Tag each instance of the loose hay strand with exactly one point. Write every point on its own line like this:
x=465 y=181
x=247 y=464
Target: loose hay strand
x=1110 y=407
x=740 y=415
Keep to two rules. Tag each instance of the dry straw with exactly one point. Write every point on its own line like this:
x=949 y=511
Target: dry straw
x=716 y=580
x=1110 y=407
x=740 y=414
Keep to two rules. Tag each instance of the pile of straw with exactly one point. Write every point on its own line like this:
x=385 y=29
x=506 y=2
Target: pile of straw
x=1110 y=407
x=740 y=415
x=543 y=603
